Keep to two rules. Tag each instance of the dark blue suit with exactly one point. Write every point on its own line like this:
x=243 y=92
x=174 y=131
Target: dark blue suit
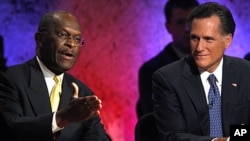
x=25 y=107
x=181 y=110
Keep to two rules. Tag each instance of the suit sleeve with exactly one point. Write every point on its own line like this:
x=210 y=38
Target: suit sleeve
x=168 y=111
x=91 y=129
x=94 y=131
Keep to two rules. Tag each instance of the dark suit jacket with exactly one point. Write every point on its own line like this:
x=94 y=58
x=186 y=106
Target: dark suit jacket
x=145 y=103
x=180 y=105
x=25 y=107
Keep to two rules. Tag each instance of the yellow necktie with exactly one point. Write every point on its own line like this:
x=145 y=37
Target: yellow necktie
x=55 y=94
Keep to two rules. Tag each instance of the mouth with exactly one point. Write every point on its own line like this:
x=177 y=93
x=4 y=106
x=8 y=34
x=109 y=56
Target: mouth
x=67 y=55
x=200 y=57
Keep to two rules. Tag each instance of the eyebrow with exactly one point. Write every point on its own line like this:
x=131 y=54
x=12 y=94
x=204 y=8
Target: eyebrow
x=74 y=35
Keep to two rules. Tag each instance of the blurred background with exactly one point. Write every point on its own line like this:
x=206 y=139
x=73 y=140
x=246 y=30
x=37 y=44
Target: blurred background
x=120 y=35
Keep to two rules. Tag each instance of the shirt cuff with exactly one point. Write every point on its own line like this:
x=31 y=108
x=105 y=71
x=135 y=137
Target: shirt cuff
x=55 y=128
x=228 y=139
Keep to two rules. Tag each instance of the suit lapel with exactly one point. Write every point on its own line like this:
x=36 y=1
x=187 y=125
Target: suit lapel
x=195 y=91
x=67 y=91
x=194 y=88
x=38 y=92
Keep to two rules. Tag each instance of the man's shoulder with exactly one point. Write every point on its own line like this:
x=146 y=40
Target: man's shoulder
x=20 y=68
x=166 y=56
x=71 y=78
x=236 y=63
x=175 y=66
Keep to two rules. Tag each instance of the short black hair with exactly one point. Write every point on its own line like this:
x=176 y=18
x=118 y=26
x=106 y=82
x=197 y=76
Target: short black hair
x=209 y=9
x=48 y=19
x=183 y=4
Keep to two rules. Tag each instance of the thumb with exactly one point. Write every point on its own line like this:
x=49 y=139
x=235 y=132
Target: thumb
x=76 y=90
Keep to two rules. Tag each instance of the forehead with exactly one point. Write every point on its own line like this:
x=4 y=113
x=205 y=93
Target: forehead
x=67 y=22
x=209 y=25
x=180 y=13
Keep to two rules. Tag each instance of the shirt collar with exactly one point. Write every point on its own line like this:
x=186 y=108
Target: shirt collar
x=46 y=72
x=217 y=73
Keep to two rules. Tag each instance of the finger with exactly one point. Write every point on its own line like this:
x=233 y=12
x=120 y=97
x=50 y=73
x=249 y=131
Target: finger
x=95 y=113
x=93 y=98
x=95 y=106
x=96 y=102
x=99 y=100
x=76 y=90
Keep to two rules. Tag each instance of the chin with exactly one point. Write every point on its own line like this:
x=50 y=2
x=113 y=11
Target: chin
x=66 y=65
x=201 y=64
x=66 y=68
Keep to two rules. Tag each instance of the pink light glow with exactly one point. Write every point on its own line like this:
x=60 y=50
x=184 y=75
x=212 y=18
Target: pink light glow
x=120 y=35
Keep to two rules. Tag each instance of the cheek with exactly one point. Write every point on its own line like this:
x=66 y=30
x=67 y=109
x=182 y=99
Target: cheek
x=219 y=49
x=77 y=51
x=218 y=54
x=193 y=46
x=177 y=31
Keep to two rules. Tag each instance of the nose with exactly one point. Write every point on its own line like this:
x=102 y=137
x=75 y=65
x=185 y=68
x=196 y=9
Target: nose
x=200 y=45
x=70 y=42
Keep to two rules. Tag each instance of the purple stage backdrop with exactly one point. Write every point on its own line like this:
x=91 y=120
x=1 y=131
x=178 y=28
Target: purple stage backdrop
x=120 y=35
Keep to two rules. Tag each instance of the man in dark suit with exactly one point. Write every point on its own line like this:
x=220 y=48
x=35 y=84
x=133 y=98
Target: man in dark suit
x=181 y=91
x=26 y=113
x=176 y=13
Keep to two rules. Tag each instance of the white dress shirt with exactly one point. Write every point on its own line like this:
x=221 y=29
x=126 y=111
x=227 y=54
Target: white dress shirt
x=48 y=76
x=204 y=78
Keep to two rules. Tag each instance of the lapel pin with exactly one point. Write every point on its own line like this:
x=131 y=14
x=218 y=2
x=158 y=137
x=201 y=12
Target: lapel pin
x=234 y=84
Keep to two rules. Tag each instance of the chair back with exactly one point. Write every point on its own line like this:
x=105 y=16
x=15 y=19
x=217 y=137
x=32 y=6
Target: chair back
x=145 y=129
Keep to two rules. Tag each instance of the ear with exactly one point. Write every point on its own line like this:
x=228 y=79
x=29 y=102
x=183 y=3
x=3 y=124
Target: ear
x=38 y=39
x=168 y=27
x=228 y=40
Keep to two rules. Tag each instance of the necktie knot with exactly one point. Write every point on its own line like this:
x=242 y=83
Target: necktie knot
x=212 y=80
x=56 y=79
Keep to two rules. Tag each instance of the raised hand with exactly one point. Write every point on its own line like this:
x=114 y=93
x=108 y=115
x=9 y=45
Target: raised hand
x=79 y=108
